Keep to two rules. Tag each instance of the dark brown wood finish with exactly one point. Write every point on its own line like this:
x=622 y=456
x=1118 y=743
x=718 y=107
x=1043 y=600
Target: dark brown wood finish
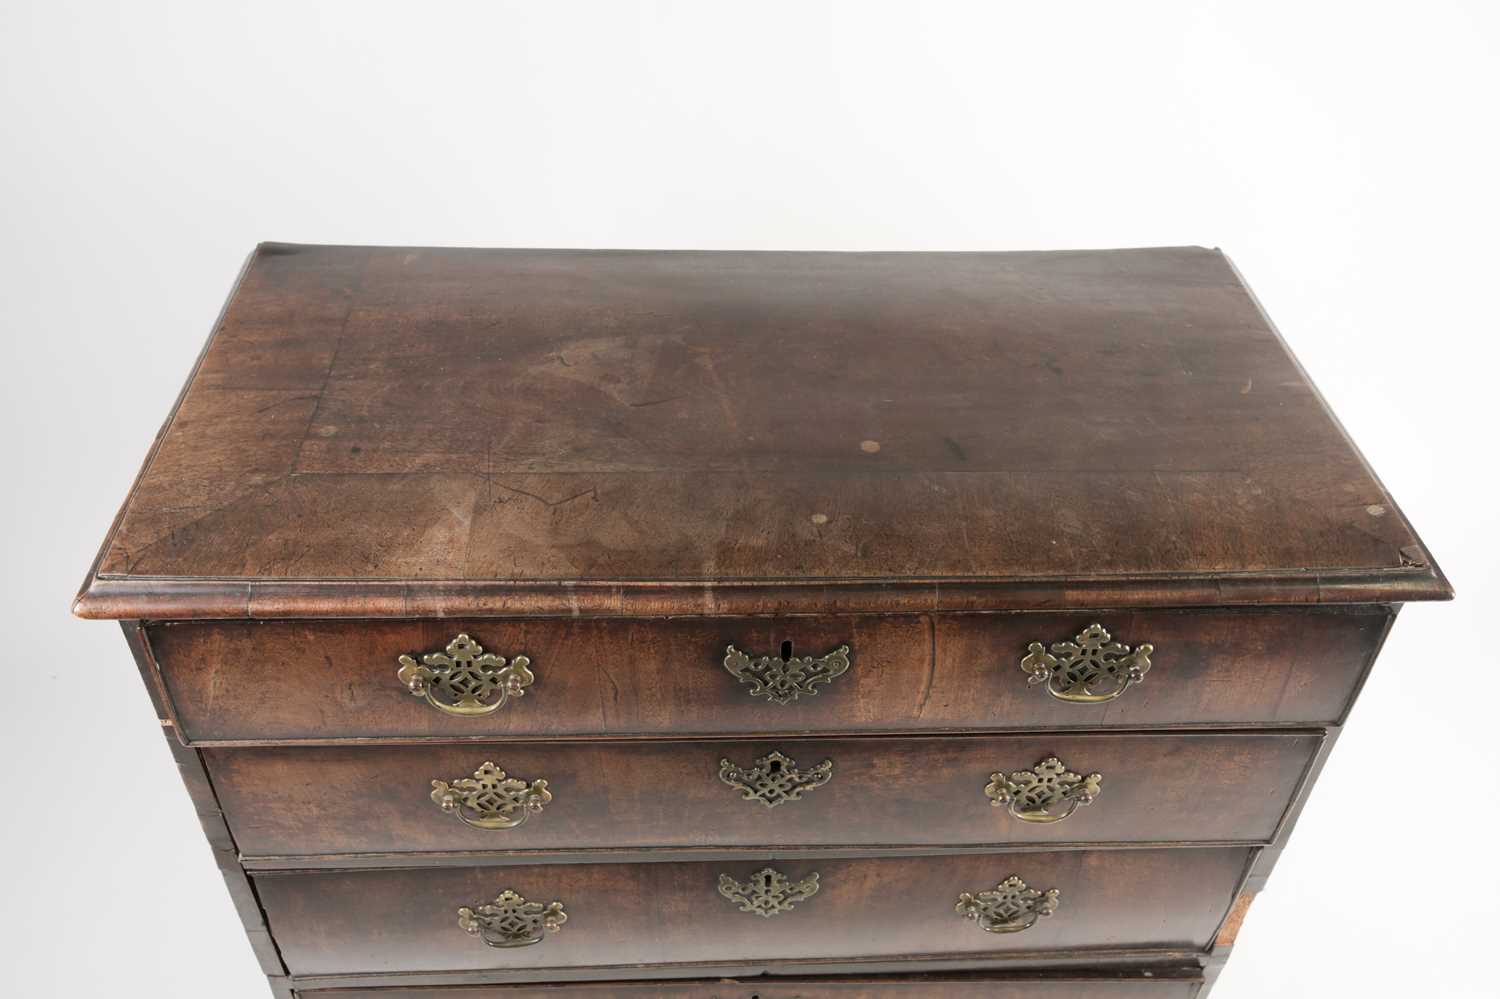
x=210 y=814
x=1165 y=983
x=377 y=922
x=585 y=420
x=618 y=463
x=285 y=805
x=238 y=682
x=1048 y=961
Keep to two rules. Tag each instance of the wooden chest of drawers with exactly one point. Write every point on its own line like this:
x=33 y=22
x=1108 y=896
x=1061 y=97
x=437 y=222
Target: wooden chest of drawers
x=533 y=624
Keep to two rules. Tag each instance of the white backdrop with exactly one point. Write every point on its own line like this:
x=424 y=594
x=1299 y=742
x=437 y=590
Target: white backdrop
x=1343 y=153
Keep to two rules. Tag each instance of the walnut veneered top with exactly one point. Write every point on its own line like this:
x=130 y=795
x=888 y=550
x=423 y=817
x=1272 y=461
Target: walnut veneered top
x=385 y=431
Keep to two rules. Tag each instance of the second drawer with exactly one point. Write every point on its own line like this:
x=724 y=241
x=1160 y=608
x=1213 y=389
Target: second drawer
x=287 y=805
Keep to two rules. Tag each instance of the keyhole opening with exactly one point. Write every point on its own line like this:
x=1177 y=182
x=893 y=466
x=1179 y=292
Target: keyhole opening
x=786 y=651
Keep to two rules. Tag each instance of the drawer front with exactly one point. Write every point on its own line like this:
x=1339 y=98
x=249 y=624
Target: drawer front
x=323 y=681
x=1166 y=983
x=285 y=802
x=395 y=921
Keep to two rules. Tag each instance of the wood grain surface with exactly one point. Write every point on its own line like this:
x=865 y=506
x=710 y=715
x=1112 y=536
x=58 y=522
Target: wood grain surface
x=329 y=681
x=1157 y=984
x=1182 y=788
x=617 y=464
x=491 y=425
x=376 y=922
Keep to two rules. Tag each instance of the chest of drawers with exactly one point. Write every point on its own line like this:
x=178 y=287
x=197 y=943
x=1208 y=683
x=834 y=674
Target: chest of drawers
x=534 y=624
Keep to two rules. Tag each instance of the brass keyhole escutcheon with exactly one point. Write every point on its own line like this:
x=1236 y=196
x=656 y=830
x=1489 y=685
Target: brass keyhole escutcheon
x=784 y=678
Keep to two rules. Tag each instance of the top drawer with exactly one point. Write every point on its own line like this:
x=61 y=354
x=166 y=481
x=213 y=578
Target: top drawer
x=255 y=682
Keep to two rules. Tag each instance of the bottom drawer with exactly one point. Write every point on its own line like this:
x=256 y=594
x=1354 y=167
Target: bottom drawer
x=746 y=914
x=1182 y=983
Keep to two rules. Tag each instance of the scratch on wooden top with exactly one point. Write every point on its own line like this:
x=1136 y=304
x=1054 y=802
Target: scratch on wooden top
x=1123 y=421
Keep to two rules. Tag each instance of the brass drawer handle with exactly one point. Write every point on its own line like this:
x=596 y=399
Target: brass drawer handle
x=786 y=677
x=464 y=679
x=1089 y=670
x=490 y=799
x=1030 y=795
x=1012 y=906
x=768 y=892
x=511 y=921
x=774 y=779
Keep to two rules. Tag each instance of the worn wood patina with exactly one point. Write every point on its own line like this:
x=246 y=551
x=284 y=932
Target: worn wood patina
x=553 y=623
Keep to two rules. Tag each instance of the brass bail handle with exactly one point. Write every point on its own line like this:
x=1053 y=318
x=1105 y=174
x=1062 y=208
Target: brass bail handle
x=1010 y=907
x=1048 y=792
x=491 y=799
x=511 y=920
x=1091 y=669
x=465 y=680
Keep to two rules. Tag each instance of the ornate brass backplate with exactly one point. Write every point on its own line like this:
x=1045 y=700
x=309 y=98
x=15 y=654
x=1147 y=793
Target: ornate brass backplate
x=464 y=679
x=1048 y=792
x=1088 y=670
x=491 y=799
x=768 y=892
x=785 y=679
x=1011 y=907
x=774 y=779
x=511 y=921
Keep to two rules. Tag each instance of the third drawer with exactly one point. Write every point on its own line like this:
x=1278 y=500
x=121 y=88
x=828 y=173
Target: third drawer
x=289 y=806
x=829 y=911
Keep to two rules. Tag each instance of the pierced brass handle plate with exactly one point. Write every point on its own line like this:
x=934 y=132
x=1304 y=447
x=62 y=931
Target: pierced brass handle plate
x=511 y=921
x=1010 y=907
x=782 y=679
x=491 y=799
x=774 y=779
x=464 y=679
x=768 y=892
x=1089 y=670
x=1048 y=792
